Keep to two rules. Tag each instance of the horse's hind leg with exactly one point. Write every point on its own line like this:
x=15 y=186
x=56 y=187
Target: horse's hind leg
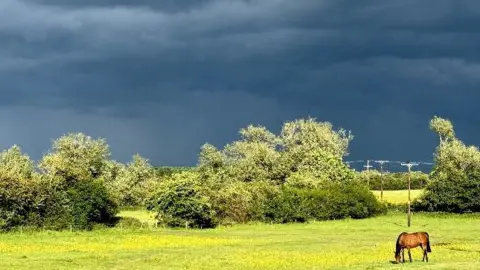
x=425 y=253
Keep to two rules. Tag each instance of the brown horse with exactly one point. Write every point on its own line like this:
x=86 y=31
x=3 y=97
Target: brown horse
x=412 y=240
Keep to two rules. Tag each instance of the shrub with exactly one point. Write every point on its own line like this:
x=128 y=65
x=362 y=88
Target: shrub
x=288 y=206
x=90 y=203
x=16 y=202
x=263 y=193
x=333 y=201
x=303 y=180
x=180 y=201
x=233 y=203
x=81 y=205
x=455 y=195
x=52 y=208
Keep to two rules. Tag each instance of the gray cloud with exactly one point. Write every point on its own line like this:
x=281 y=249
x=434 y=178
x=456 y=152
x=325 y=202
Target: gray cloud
x=380 y=68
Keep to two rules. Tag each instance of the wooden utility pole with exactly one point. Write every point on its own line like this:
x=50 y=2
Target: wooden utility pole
x=368 y=166
x=381 y=176
x=409 y=166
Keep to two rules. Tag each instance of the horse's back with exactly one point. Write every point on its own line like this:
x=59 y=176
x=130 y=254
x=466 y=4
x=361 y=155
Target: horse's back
x=423 y=235
x=413 y=238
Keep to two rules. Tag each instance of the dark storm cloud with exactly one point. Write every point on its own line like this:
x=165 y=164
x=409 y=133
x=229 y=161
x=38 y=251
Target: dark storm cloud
x=380 y=68
x=164 y=5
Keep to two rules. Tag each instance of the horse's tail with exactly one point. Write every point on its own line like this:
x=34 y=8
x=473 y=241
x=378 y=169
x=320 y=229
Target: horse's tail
x=428 y=243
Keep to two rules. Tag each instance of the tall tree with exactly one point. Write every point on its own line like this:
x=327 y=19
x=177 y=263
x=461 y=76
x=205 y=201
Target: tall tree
x=76 y=157
x=443 y=128
x=455 y=178
x=305 y=145
x=135 y=182
x=15 y=164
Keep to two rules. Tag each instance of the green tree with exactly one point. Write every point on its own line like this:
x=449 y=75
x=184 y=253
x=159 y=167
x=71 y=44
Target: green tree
x=443 y=128
x=17 y=188
x=305 y=146
x=73 y=172
x=250 y=172
x=135 y=182
x=251 y=161
x=309 y=134
x=258 y=134
x=211 y=164
x=76 y=157
x=314 y=149
x=455 y=178
x=16 y=165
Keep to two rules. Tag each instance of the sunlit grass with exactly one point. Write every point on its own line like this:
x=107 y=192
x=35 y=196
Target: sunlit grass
x=398 y=196
x=341 y=244
x=142 y=215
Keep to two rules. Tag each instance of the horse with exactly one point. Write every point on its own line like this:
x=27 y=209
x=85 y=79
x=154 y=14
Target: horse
x=412 y=240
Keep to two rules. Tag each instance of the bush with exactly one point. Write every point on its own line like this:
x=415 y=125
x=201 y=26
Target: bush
x=181 y=202
x=184 y=201
x=457 y=195
x=16 y=202
x=333 y=201
x=455 y=178
x=233 y=203
x=90 y=204
x=38 y=203
x=263 y=193
x=52 y=207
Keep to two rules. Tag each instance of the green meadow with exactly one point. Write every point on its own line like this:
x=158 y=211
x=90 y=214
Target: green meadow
x=398 y=196
x=336 y=244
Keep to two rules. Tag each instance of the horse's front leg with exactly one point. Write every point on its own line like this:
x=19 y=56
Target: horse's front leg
x=403 y=255
x=409 y=255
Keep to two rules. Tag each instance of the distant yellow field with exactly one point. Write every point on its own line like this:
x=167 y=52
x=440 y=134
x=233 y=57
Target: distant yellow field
x=398 y=196
x=144 y=216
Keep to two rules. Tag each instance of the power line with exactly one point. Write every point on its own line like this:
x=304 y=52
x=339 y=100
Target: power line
x=381 y=162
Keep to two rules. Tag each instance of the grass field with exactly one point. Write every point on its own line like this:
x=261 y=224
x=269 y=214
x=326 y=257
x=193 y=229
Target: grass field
x=398 y=196
x=341 y=244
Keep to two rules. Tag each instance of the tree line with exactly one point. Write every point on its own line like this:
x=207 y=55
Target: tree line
x=294 y=176
x=393 y=181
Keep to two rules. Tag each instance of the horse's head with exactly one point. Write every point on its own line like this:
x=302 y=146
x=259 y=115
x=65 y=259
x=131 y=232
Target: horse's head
x=397 y=257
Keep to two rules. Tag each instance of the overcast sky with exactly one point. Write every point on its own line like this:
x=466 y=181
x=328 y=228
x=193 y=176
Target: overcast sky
x=160 y=78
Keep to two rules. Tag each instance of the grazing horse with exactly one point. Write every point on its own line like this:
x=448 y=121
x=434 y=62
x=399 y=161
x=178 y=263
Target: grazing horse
x=412 y=240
